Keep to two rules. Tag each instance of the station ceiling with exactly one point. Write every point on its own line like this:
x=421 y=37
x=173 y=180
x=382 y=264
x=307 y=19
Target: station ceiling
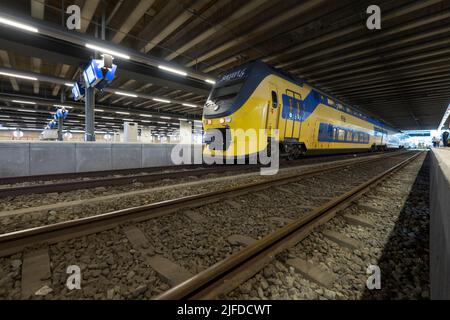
x=399 y=73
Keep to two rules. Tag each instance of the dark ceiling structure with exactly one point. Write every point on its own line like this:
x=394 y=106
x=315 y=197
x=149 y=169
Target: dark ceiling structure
x=399 y=73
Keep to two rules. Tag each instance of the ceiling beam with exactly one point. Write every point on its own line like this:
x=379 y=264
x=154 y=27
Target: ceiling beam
x=269 y=25
x=247 y=10
x=132 y=18
x=4 y=57
x=352 y=29
x=173 y=7
x=87 y=12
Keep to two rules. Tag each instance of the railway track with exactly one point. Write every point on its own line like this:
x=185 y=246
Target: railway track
x=18 y=241
x=228 y=274
x=85 y=180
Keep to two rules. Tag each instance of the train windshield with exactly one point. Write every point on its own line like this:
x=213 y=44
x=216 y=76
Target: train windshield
x=225 y=92
x=221 y=98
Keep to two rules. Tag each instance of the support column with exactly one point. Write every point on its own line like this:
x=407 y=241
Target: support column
x=185 y=132
x=89 y=111
x=60 y=129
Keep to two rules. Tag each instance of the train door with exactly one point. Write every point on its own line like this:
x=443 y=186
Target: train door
x=273 y=109
x=296 y=130
x=314 y=142
x=287 y=113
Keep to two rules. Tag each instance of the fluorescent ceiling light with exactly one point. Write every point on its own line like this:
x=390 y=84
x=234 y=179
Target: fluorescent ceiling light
x=444 y=118
x=108 y=51
x=122 y=112
x=180 y=72
x=189 y=105
x=126 y=94
x=68 y=84
x=145 y=120
x=160 y=122
x=80 y=115
x=26 y=110
x=18 y=76
x=182 y=119
x=162 y=117
x=31 y=118
x=127 y=119
x=146 y=115
x=210 y=81
x=107 y=118
x=24 y=102
x=4 y=116
x=62 y=106
x=99 y=110
x=18 y=25
x=161 y=100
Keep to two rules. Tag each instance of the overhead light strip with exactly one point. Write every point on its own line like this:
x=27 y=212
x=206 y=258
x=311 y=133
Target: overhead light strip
x=173 y=70
x=126 y=94
x=107 y=51
x=23 y=102
x=161 y=100
x=18 y=25
x=14 y=75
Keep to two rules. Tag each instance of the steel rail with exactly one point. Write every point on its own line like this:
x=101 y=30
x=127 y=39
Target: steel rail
x=154 y=175
x=77 y=175
x=16 y=241
x=229 y=273
x=100 y=173
x=115 y=181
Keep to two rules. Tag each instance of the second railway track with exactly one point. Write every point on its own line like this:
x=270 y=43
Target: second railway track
x=16 y=242
x=15 y=186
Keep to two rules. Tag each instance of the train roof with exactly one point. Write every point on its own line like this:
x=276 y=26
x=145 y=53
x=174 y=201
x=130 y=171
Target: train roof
x=259 y=70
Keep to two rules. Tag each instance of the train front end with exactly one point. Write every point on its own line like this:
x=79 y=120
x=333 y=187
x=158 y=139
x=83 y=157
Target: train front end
x=232 y=117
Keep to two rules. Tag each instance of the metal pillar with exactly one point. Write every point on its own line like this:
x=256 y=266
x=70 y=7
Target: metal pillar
x=185 y=132
x=89 y=114
x=60 y=129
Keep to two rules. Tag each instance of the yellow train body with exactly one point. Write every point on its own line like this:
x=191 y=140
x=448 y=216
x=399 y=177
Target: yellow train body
x=307 y=120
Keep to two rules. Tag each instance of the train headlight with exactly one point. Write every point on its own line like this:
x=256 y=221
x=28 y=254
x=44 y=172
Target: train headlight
x=222 y=120
x=228 y=119
x=209 y=121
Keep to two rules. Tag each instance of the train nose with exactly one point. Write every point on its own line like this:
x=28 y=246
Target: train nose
x=217 y=139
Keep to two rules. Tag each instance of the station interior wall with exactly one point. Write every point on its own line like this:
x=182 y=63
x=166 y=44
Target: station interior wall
x=24 y=158
x=440 y=224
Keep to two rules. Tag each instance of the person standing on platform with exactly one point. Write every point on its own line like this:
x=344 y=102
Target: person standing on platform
x=435 y=142
x=445 y=138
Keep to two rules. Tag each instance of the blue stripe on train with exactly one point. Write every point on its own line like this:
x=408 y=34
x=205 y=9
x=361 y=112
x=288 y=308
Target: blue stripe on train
x=327 y=134
x=299 y=110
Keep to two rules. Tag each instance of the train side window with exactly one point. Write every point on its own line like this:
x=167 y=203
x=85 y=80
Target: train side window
x=331 y=102
x=341 y=136
x=349 y=136
x=330 y=132
x=274 y=99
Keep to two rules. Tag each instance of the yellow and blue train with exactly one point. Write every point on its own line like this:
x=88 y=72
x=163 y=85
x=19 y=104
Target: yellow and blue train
x=258 y=96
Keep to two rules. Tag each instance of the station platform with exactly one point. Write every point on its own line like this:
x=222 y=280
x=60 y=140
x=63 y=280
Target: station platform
x=440 y=223
x=20 y=158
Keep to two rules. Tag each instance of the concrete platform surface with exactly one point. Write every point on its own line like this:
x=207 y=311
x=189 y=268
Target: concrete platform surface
x=440 y=223
x=24 y=158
